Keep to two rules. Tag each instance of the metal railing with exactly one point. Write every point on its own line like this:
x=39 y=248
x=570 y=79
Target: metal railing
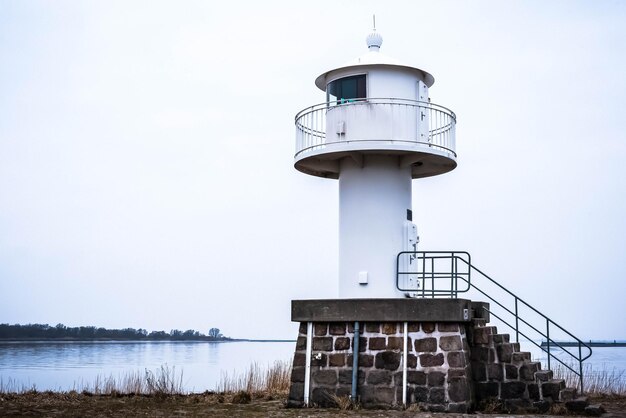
x=430 y=269
x=401 y=121
x=448 y=273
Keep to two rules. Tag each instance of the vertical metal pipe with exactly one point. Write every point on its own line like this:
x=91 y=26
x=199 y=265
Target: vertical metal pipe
x=548 y=340
x=580 y=367
x=307 y=369
x=355 y=361
x=432 y=277
x=405 y=362
x=424 y=276
x=516 y=323
x=452 y=276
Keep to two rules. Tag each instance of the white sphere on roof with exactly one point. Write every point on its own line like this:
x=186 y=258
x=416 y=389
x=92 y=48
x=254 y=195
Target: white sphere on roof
x=374 y=40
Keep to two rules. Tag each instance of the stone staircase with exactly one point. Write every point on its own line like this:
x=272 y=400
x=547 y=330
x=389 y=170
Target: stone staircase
x=506 y=379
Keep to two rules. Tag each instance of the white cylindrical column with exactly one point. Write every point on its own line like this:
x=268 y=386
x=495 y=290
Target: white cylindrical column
x=374 y=195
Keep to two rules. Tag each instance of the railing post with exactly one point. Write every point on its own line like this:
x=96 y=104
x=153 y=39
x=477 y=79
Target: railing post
x=548 y=340
x=452 y=276
x=456 y=276
x=424 y=276
x=516 y=322
x=580 y=366
x=455 y=269
x=432 y=278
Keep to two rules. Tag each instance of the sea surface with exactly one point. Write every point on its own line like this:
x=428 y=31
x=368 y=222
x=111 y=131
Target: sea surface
x=72 y=365
x=604 y=361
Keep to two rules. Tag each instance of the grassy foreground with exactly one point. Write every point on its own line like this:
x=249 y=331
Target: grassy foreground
x=73 y=404
x=258 y=392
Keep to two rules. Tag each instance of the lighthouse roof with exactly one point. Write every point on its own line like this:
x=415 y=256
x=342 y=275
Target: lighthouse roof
x=373 y=58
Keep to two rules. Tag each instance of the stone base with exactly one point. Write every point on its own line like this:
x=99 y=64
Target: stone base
x=437 y=375
x=438 y=356
x=455 y=362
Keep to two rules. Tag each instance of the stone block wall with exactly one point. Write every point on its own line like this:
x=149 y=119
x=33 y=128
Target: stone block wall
x=502 y=372
x=438 y=365
x=455 y=361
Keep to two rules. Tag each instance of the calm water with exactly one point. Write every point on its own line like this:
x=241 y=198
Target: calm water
x=67 y=365
x=603 y=359
x=64 y=365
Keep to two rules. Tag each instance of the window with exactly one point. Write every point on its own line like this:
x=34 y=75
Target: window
x=346 y=89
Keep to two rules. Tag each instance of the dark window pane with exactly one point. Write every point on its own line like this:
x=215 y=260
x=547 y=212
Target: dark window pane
x=361 y=87
x=347 y=88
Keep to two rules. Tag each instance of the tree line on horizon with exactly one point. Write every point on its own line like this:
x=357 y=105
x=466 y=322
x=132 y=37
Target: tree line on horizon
x=60 y=331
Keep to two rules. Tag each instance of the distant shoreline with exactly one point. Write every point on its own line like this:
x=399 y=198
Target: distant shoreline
x=61 y=333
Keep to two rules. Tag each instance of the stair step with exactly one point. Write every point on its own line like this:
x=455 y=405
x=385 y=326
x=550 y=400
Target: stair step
x=552 y=388
x=567 y=394
x=577 y=405
x=528 y=369
x=479 y=322
x=505 y=352
x=520 y=357
x=544 y=375
x=542 y=406
x=500 y=338
x=594 y=410
x=482 y=334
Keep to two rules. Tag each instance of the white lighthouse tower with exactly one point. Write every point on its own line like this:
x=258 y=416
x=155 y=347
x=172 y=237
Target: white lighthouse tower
x=399 y=314
x=376 y=131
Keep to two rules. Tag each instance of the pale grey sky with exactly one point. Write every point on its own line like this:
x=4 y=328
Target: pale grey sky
x=146 y=153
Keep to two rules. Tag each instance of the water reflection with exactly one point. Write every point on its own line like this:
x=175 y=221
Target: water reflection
x=67 y=365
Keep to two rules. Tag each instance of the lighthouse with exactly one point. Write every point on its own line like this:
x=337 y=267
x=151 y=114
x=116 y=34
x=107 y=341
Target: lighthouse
x=376 y=131
x=398 y=333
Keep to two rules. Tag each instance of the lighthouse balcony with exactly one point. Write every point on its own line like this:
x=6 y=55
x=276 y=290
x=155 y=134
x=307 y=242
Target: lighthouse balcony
x=421 y=134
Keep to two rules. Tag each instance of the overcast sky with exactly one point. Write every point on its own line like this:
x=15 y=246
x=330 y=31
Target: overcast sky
x=146 y=156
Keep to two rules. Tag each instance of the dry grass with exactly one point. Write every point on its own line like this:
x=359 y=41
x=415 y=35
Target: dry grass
x=558 y=409
x=162 y=382
x=605 y=382
x=258 y=381
x=12 y=386
x=491 y=406
x=344 y=403
x=273 y=380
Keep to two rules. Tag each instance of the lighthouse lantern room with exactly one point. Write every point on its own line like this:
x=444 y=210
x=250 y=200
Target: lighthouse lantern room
x=376 y=131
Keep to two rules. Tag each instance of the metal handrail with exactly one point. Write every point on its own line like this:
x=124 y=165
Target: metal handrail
x=311 y=123
x=453 y=291
x=365 y=100
x=453 y=273
x=378 y=140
